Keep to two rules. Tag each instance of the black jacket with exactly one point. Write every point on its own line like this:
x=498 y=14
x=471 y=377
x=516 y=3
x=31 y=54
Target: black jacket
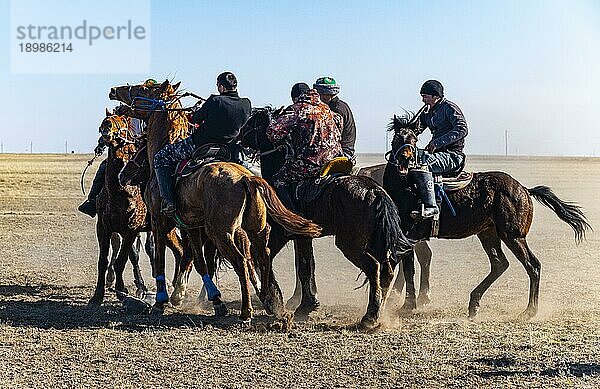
x=349 y=127
x=220 y=118
x=447 y=124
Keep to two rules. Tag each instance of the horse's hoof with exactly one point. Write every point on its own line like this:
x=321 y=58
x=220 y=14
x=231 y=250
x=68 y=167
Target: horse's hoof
x=121 y=293
x=220 y=310
x=526 y=315
x=410 y=304
x=423 y=299
x=305 y=308
x=246 y=323
x=473 y=310
x=368 y=323
x=110 y=280
x=95 y=301
x=292 y=303
x=158 y=309
x=176 y=299
x=140 y=292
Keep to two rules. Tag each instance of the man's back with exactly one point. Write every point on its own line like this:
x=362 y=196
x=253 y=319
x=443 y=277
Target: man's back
x=221 y=118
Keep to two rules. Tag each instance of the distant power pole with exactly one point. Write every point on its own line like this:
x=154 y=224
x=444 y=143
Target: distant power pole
x=66 y=147
x=30 y=147
x=506 y=142
x=2 y=147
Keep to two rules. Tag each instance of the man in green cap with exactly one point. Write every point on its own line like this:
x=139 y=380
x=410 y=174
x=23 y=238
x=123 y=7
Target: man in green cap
x=328 y=91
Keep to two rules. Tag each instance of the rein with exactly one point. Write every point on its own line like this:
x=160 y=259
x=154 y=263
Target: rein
x=151 y=104
x=89 y=163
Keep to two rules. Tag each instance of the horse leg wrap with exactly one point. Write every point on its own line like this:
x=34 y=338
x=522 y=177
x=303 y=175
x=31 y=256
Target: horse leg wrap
x=211 y=288
x=161 y=290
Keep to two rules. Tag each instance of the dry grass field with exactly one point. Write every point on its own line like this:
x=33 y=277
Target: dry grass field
x=49 y=338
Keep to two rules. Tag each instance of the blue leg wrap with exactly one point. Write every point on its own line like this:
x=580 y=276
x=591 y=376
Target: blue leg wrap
x=161 y=290
x=211 y=288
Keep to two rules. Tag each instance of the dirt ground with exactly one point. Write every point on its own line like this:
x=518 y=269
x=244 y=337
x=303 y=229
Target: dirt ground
x=49 y=338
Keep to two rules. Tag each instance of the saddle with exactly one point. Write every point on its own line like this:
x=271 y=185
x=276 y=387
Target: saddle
x=309 y=190
x=205 y=154
x=443 y=185
x=452 y=184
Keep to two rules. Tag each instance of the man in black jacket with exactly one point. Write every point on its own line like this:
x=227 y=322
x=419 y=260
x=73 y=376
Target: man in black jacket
x=218 y=121
x=444 y=153
x=328 y=90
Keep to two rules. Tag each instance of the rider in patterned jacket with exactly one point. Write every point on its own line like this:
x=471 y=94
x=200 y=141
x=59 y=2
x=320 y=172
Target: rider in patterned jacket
x=314 y=134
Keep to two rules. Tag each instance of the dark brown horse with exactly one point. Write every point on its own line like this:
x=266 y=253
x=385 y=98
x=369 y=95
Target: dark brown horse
x=355 y=210
x=494 y=206
x=121 y=210
x=224 y=198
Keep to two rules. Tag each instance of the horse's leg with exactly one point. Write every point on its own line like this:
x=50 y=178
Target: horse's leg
x=498 y=265
x=294 y=301
x=270 y=293
x=134 y=258
x=533 y=268
x=160 y=242
x=371 y=268
x=423 y=253
x=198 y=242
x=104 y=244
x=210 y=253
x=408 y=269
x=182 y=275
x=386 y=277
x=126 y=246
x=227 y=247
x=176 y=245
x=306 y=274
x=115 y=245
x=149 y=246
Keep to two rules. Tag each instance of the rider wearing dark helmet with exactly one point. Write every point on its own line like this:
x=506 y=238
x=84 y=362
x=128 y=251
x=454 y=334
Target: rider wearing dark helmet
x=444 y=153
x=219 y=121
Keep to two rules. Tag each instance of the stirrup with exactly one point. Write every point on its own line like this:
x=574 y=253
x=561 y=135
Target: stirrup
x=426 y=213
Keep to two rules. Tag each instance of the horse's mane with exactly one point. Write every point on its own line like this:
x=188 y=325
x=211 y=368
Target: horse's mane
x=401 y=122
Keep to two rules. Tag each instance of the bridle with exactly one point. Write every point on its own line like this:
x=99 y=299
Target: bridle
x=119 y=125
x=152 y=104
x=253 y=130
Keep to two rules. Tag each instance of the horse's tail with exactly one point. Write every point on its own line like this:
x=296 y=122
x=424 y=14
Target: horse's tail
x=387 y=235
x=290 y=221
x=570 y=213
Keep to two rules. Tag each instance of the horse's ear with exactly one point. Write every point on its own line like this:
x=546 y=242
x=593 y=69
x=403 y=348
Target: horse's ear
x=164 y=85
x=176 y=86
x=107 y=112
x=278 y=111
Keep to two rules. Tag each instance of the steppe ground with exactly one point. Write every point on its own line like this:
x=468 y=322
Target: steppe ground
x=49 y=338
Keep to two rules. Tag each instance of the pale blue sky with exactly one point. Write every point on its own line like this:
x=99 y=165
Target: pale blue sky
x=530 y=67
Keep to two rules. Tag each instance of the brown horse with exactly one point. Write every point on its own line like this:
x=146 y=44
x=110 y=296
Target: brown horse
x=121 y=210
x=224 y=198
x=494 y=206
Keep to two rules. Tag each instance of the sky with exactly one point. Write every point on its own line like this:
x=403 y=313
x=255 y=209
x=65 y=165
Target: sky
x=529 y=68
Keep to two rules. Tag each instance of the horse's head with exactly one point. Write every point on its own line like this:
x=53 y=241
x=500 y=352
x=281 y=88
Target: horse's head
x=404 y=142
x=115 y=131
x=137 y=170
x=253 y=133
x=146 y=97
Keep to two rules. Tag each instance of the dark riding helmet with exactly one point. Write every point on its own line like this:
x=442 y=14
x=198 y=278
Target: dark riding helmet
x=433 y=88
x=298 y=89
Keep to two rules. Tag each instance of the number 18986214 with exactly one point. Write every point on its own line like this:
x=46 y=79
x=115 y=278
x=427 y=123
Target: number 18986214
x=45 y=47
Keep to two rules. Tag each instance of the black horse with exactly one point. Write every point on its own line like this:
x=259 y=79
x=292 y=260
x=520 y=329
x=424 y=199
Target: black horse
x=357 y=211
x=494 y=206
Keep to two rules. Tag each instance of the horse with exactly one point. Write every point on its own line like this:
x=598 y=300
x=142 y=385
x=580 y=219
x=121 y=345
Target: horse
x=494 y=206
x=121 y=210
x=355 y=210
x=224 y=198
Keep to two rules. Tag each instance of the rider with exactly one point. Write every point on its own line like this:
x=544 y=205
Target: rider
x=444 y=153
x=136 y=128
x=328 y=91
x=89 y=206
x=313 y=132
x=219 y=121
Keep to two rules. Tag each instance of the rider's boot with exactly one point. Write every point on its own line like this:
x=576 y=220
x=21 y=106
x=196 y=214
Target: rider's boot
x=425 y=189
x=165 y=186
x=89 y=206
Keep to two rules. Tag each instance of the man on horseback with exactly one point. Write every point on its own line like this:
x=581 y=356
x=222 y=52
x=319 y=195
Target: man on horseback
x=444 y=153
x=313 y=132
x=328 y=91
x=219 y=121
